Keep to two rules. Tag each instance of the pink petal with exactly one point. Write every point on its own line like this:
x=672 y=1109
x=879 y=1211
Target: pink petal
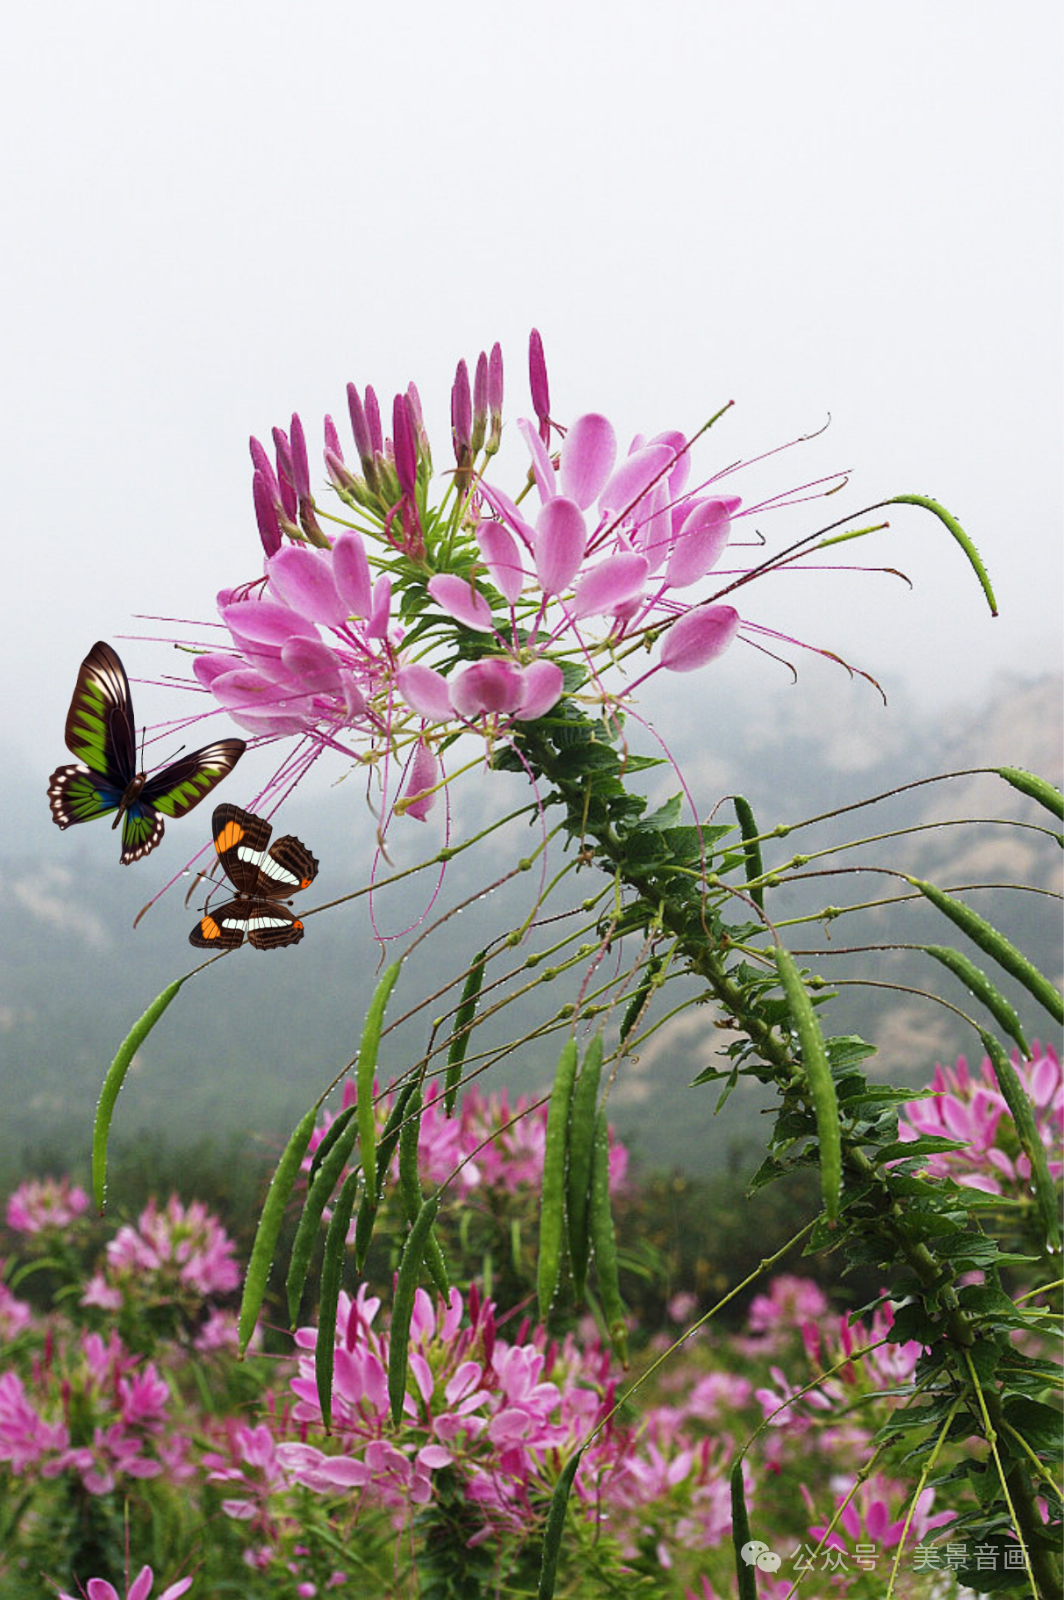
x=654 y=532
x=483 y=686
x=100 y=1589
x=303 y=578
x=499 y=549
x=504 y=507
x=313 y=665
x=699 y=543
x=380 y=611
x=543 y=689
x=351 y=574
x=677 y=478
x=424 y=773
x=174 y=1590
x=699 y=636
x=461 y=601
x=208 y=667
x=630 y=481
x=425 y=691
x=266 y=622
x=613 y=582
x=542 y=467
x=561 y=540
x=587 y=456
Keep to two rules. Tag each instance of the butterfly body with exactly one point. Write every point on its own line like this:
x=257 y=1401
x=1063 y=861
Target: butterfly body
x=263 y=875
x=101 y=733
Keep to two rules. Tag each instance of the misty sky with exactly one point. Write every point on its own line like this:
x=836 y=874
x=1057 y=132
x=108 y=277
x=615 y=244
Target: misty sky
x=215 y=215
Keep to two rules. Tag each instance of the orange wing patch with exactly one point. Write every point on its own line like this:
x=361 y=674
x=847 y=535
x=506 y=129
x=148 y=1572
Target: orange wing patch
x=230 y=836
x=209 y=929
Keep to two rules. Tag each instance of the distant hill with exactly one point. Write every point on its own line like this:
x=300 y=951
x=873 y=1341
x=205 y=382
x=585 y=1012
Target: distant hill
x=250 y=1043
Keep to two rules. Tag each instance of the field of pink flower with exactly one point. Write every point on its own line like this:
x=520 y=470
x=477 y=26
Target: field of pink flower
x=135 y=1448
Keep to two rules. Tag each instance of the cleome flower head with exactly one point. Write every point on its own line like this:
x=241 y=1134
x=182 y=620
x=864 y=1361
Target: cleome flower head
x=416 y=608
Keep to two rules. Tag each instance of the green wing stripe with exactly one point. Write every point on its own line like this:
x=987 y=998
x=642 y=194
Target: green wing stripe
x=84 y=801
x=183 y=796
x=87 y=737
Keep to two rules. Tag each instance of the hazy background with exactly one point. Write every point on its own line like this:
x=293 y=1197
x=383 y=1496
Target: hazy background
x=216 y=214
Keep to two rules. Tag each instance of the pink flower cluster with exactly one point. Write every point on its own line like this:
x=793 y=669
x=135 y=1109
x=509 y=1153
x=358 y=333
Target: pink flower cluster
x=492 y=601
x=139 y=1589
x=970 y=1107
x=493 y=1143
x=93 y=1410
x=502 y=1415
x=45 y=1205
x=174 y=1257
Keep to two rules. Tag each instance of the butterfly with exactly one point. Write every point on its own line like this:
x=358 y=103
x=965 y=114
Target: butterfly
x=101 y=732
x=262 y=877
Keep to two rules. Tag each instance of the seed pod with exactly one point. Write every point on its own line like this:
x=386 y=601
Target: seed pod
x=578 y=1179
x=270 y=1226
x=552 y=1201
x=818 y=1078
x=463 y=1021
x=979 y=984
x=995 y=945
x=604 y=1242
x=112 y=1083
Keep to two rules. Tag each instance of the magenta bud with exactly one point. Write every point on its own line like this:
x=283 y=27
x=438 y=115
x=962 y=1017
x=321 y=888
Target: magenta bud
x=297 y=443
x=284 y=454
x=373 y=422
x=461 y=414
x=495 y=381
x=332 y=439
x=359 y=428
x=266 y=514
x=403 y=439
x=480 y=405
x=263 y=464
x=537 y=377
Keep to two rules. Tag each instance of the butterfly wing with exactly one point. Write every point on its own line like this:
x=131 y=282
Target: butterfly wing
x=289 y=867
x=240 y=838
x=223 y=929
x=100 y=730
x=77 y=795
x=268 y=926
x=182 y=785
x=141 y=832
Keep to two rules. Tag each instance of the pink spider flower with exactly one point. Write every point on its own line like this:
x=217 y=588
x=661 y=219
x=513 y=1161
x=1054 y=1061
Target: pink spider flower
x=139 y=1589
x=969 y=1106
x=186 y=1243
x=611 y=558
x=15 y=1314
x=45 y=1205
x=876 y=1515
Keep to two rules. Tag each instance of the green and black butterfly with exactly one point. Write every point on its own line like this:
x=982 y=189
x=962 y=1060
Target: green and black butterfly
x=101 y=732
x=263 y=874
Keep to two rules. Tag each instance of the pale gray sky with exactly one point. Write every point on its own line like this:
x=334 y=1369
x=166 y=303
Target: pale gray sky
x=216 y=214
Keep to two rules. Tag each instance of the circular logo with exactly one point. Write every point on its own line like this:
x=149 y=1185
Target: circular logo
x=768 y=1561
x=752 y=1550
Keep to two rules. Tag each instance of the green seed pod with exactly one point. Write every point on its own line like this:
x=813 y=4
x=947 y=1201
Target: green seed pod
x=995 y=945
x=112 y=1083
x=977 y=981
x=269 y=1227
x=578 y=1179
x=463 y=1021
x=331 y=1276
x=1019 y=1105
x=552 y=1202
x=604 y=1242
x=818 y=1078
x=403 y=1306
